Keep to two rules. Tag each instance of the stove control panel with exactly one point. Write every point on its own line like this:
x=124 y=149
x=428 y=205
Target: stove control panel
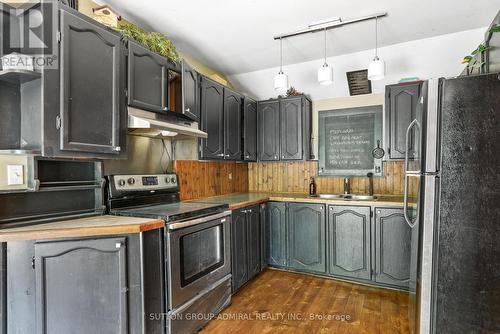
x=145 y=182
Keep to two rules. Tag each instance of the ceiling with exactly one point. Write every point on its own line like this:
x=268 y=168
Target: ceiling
x=237 y=36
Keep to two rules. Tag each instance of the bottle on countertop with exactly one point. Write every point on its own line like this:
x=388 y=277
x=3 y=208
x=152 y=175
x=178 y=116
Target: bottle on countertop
x=312 y=187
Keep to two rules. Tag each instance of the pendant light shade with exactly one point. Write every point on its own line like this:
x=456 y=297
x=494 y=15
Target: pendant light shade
x=281 y=79
x=325 y=72
x=376 y=68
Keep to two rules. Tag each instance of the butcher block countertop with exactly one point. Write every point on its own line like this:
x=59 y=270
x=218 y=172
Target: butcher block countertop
x=241 y=200
x=81 y=227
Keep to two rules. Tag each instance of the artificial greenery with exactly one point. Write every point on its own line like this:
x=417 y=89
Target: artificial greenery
x=155 y=41
x=495 y=28
x=480 y=49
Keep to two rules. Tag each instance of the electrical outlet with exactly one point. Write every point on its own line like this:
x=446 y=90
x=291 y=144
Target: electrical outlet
x=230 y=175
x=15 y=175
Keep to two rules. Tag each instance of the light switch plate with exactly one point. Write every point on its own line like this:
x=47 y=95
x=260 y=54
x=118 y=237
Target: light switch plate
x=15 y=175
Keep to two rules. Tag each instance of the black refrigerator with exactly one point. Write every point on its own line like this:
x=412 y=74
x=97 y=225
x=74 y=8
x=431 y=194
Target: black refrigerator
x=453 y=164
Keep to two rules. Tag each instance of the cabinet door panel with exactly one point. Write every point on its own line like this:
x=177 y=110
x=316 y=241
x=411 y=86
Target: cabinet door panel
x=190 y=92
x=239 y=260
x=250 y=130
x=306 y=237
x=269 y=130
x=91 y=91
x=349 y=241
x=232 y=125
x=276 y=234
x=253 y=239
x=392 y=247
x=81 y=286
x=146 y=78
x=291 y=128
x=212 y=119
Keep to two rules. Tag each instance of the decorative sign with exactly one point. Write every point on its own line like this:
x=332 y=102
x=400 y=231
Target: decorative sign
x=347 y=138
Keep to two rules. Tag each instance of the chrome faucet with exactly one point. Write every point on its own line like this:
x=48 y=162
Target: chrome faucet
x=347 y=186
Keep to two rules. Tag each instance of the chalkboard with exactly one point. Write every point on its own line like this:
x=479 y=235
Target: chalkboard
x=347 y=138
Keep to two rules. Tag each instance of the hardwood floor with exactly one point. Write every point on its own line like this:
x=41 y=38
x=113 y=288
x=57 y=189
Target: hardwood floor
x=269 y=303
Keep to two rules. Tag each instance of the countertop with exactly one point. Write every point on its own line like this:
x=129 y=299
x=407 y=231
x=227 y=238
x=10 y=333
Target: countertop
x=82 y=227
x=241 y=200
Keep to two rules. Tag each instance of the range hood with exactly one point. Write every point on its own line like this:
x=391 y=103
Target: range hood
x=154 y=125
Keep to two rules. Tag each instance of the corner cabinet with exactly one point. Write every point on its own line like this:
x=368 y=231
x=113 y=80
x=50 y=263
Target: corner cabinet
x=249 y=130
x=306 y=237
x=92 y=116
x=285 y=129
x=400 y=110
x=348 y=240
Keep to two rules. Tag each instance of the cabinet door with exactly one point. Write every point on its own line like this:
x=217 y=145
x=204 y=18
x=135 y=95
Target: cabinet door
x=306 y=237
x=190 y=92
x=392 y=247
x=291 y=128
x=250 y=130
x=269 y=130
x=239 y=256
x=232 y=125
x=401 y=105
x=212 y=119
x=253 y=240
x=81 y=286
x=276 y=234
x=349 y=241
x=146 y=78
x=263 y=229
x=91 y=90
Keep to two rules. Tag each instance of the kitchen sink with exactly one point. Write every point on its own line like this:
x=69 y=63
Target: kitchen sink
x=346 y=197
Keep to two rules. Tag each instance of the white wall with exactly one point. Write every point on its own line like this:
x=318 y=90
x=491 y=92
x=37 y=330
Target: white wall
x=426 y=58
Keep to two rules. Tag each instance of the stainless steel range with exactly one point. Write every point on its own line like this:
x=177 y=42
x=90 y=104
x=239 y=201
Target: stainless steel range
x=197 y=246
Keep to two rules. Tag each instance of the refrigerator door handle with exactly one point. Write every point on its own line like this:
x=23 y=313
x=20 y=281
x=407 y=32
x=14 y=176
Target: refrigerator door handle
x=409 y=173
x=407 y=146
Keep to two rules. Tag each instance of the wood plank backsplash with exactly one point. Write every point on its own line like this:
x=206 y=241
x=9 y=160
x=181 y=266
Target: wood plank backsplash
x=210 y=178
x=295 y=177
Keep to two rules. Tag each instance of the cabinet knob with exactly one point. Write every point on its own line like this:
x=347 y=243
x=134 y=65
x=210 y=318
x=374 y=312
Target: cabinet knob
x=378 y=211
x=188 y=109
x=220 y=154
x=118 y=245
x=227 y=155
x=276 y=157
x=117 y=148
x=283 y=157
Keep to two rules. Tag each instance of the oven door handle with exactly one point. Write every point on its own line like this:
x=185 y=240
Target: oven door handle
x=191 y=222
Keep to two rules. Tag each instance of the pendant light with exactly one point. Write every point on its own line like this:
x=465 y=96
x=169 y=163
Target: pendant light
x=325 y=72
x=376 y=69
x=281 y=79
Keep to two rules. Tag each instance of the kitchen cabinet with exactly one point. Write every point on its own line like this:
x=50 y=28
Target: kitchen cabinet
x=245 y=245
x=269 y=130
x=276 y=234
x=263 y=229
x=190 y=91
x=250 y=130
x=348 y=240
x=147 y=75
x=306 y=237
x=232 y=125
x=393 y=238
x=400 y=110
x=284 y=129
x=212 y=119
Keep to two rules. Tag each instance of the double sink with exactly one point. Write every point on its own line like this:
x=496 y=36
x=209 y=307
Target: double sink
x=346 y=197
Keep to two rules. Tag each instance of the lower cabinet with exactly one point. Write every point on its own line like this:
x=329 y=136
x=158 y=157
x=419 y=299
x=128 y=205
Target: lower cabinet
x=306 y=237
x=245 y=245
x=276 y=234
x=393 y=247
x=349 y=235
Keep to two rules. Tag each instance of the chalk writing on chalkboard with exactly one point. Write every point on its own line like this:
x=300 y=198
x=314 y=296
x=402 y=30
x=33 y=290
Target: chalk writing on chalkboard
x=349 y=141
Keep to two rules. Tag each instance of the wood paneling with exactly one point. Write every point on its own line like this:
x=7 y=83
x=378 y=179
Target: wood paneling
x=295 y=176
x=210 y=178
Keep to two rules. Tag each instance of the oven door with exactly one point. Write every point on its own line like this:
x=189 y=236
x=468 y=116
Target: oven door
x=198 y=255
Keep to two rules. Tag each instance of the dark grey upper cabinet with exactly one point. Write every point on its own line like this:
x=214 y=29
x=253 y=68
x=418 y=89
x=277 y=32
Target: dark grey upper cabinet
x=239 y=256
x=392 y=247
x=212 y=119
x=276 y=234
x=147 y=73
x=400 y=110
x=250 y=130
x=269 y=130
x=349 y=233
x=306 y=237
x=232 y=125
x=291 y=128
x=81 y=286
x=190 y=91
x=92 y=91
x=254 y=240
